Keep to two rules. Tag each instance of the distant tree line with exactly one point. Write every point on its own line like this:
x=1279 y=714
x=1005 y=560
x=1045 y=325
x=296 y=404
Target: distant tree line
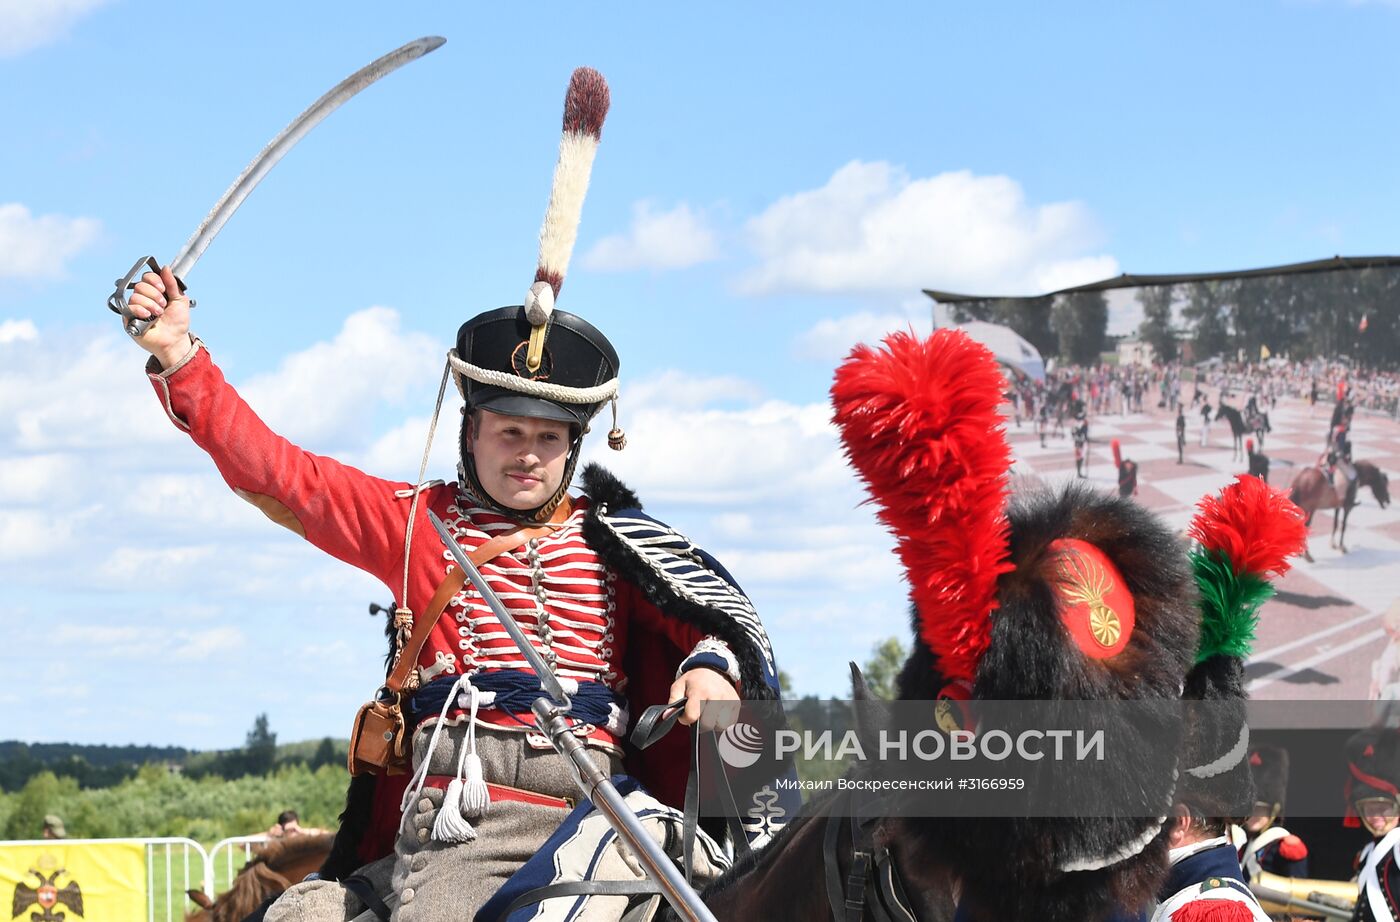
x=92 y=767
x=155 y=802
x=1352 y=312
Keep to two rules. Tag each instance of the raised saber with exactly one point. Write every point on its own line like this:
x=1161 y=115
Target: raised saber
x=595 y=784
x=253 y=173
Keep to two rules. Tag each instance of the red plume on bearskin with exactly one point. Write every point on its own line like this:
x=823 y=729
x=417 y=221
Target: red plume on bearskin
x=919 y=420
x=1256 y=527
x=1213 y=911
x=1246 y=532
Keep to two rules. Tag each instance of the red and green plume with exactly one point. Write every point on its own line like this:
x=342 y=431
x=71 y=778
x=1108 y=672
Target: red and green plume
x=1245 y=533
x=919 y=420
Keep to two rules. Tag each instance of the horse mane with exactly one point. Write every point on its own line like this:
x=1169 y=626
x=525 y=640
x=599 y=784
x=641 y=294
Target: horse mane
x=254 y=884
x=261 y=877
x=278 y=853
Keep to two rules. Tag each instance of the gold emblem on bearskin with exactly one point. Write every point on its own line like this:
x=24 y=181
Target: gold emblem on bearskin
x=946 y=716
x=1087 y=582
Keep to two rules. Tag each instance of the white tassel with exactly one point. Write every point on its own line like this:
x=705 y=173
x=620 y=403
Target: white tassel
x=476 y=797
x=451 y=826
x=420 y=777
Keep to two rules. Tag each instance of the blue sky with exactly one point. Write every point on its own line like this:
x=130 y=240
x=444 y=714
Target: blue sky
x=775 y=183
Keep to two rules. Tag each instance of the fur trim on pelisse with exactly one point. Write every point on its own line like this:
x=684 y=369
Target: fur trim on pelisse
x=607 y=492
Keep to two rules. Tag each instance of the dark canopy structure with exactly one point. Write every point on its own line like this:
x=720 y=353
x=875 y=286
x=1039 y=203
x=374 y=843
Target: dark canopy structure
x=1127 y=280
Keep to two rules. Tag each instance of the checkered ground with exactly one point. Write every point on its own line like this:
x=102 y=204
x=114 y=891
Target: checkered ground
x=1320 y=635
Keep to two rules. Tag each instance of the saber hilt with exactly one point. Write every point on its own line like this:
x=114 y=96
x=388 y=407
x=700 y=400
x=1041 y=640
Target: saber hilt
x=551 y=717
x=136 y=327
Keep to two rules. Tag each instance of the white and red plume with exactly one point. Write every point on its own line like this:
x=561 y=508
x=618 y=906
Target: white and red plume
x=585 y=107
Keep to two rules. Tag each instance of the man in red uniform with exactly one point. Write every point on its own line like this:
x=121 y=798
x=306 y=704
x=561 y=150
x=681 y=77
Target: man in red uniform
x=626 y=611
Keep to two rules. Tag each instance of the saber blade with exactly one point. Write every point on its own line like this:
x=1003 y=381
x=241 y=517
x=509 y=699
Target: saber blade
x=277 y=148
x=266 y=159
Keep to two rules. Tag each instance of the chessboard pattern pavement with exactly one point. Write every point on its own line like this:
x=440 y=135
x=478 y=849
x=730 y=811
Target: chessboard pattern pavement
x=1320 y=635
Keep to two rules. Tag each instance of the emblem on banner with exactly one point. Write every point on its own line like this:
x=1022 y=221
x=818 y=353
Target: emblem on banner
x=46 y=896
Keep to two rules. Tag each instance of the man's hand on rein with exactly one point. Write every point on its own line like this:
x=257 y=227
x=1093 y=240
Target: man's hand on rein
x=710 y=698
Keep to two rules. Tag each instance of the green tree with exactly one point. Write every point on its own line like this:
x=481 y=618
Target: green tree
x=882 y=669
x=1206 y=311
x=1156 y=327
x=41 y=795
x=1080 y=321
x=260 y=749
x=1380 y=343
x=1260 y=316
x=1029 y=317
x=325 y=754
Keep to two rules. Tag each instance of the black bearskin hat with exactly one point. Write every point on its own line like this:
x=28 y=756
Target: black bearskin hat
x=1062 y=596
x=1243 y=535
x=1269 y=766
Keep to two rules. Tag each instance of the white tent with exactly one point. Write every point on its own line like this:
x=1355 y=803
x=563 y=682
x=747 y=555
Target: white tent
x=1010 y=348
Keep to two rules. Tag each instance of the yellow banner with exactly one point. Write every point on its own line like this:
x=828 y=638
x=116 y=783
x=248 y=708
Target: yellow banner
x=1264 y=353
x=96 y=882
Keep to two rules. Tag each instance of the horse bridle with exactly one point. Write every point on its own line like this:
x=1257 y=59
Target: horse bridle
x=873 y=883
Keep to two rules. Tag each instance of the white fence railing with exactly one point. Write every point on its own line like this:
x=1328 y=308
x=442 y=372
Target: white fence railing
x=173 y=866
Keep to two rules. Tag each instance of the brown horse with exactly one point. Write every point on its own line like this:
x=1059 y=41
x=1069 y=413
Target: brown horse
x=273 y=868
x=1311 y=491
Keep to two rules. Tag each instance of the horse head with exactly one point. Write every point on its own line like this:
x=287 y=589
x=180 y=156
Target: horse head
x=279 y=864
x=1380 y=485
x=253 y=884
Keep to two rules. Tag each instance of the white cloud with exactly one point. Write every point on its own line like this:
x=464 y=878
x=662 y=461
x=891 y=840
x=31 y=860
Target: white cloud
x=56 y=396
x=674 y=239
x=127 y=642
x=204 y=644
x=397 y=454
x=40 y=247
x=26 y=24
x=680 y=389
x=754 y=454
x=874 y=229
x=108 y=641
x=32 y=534
x=38 y=479
x=18 y=331
x=831 y=339
x=369 y=362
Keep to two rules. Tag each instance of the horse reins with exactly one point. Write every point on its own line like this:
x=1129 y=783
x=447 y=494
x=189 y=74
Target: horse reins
x=872 y=869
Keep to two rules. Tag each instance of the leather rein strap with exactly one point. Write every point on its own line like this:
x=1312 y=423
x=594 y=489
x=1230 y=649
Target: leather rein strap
x=493 y=548
x=888 y=902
